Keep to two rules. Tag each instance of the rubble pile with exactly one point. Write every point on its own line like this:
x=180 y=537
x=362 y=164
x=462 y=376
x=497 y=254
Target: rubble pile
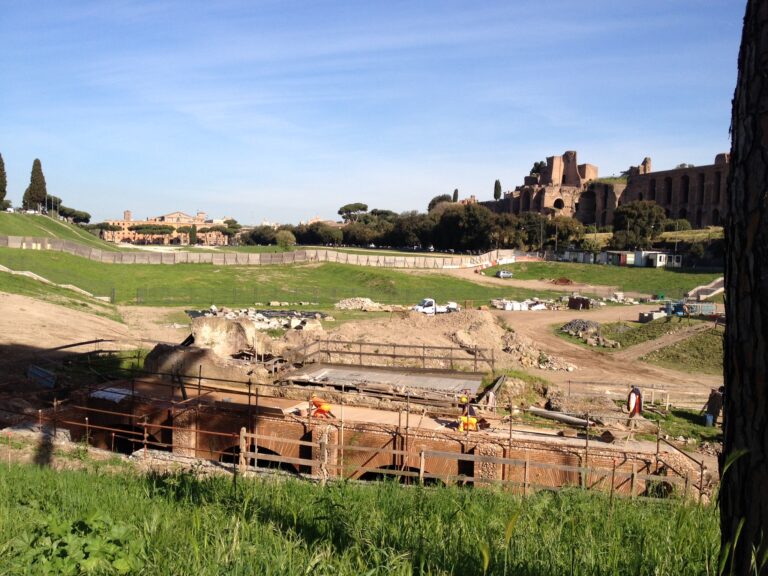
x=579 y=327
x=528 y=356
x=589 y=332
x=530 y=304
x=620 y=298
x=269 y=319
x=366 y=305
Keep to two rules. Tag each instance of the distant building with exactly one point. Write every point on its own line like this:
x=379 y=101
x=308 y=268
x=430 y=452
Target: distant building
x=554 y=192
x=693 y=193
x=174 y=219
x=567 y=188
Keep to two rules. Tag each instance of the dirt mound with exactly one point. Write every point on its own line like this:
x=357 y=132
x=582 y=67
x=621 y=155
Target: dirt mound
x=562 y=282
x=469 y=329
x=529 y=356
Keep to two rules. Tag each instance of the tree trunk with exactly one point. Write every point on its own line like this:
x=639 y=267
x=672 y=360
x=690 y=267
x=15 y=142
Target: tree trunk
x=744 y=489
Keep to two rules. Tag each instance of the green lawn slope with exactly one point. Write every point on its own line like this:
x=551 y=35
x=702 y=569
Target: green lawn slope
x=55 y=295
x=205 y=284
x=45 y=227
x=701 y=353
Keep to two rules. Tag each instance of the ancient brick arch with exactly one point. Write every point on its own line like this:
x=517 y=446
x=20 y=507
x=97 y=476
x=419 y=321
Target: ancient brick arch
x=526 y=201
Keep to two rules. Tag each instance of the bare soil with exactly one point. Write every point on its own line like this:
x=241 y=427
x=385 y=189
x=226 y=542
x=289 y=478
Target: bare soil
x=603 y=372
x=471 y=275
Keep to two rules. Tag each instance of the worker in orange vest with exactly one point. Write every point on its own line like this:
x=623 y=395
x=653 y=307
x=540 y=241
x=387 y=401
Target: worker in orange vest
x=468 y=418
x=321 y=408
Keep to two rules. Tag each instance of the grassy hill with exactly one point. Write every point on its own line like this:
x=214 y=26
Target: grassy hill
x=55 y=295
x=204 y=284
x=45 y=227
x=701 y=353
x=75 y=522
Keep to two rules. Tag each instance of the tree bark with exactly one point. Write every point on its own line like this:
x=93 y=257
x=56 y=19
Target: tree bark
x=744 y=488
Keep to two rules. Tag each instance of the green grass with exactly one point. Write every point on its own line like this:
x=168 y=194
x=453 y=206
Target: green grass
x=700 y=235
x=645 y=280
x=687 y=423
x=245 y=249
x=611 y=180
x=73 y=522
x=701 y=354
x=205 y=284
x=42 y=226
x=55 y=295
x=631 y=333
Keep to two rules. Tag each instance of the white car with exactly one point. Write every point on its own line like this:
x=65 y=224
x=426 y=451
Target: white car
x=503 y=274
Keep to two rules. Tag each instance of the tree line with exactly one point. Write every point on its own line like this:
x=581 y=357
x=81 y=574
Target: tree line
x=36 y=195
x=448 y=225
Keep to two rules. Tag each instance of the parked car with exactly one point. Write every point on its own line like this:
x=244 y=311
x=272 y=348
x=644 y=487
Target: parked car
x=503 y=274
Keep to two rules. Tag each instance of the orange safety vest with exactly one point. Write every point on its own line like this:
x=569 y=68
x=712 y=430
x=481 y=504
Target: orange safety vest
x=468 y=423
x=321 y=405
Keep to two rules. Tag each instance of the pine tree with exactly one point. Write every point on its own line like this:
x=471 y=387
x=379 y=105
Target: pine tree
x=36 y=192
x=497 y=190
x=3 y=183
x=456 y=195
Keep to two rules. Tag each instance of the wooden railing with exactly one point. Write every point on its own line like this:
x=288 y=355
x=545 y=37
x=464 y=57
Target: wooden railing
x=397 y=355
x=612 y=480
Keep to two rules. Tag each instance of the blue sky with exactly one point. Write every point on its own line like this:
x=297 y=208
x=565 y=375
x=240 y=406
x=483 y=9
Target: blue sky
x=284 y=110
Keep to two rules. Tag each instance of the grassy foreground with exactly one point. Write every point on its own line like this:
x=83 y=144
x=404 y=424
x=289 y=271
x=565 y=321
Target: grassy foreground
x=205 y=284
x=70 y=522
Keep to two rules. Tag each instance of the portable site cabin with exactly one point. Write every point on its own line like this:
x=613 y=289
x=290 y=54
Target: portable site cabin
x=620 y=258
x=655 y=259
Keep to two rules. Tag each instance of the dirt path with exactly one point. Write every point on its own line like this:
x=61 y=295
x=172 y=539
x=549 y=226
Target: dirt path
x=30 y=329
x=603 y=372
x=152 y=324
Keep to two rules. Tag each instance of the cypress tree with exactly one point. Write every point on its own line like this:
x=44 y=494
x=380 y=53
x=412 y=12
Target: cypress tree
x=497 y=190
x=36 y=192
x=3 y=183
x=193 y=234
x=455 y=194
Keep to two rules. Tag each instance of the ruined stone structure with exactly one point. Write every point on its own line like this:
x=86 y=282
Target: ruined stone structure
x=554 y=192
x=599 y=201
x=566 y=188
x=696 y=194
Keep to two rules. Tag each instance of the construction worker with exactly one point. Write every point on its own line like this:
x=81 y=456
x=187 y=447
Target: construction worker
x=321 y=408
x=634 y=402
x=468 y=418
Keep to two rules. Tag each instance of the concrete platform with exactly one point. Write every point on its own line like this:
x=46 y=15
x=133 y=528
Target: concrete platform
x=393 y=381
